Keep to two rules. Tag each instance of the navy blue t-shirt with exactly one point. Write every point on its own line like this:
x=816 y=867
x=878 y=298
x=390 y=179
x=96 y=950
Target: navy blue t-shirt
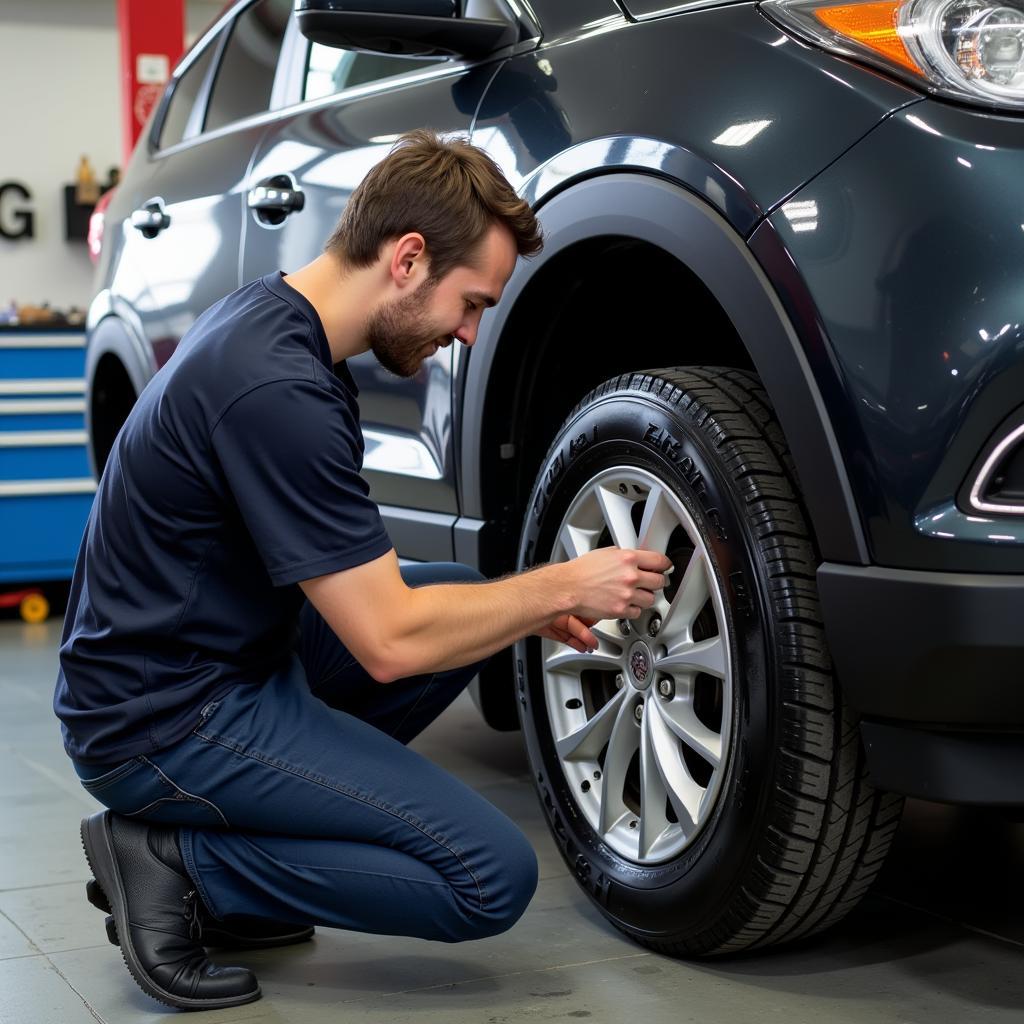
x=235 y=476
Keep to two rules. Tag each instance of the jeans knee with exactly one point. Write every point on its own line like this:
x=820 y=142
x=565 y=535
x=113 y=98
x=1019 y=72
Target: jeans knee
x=521 y=885
x=508 y=892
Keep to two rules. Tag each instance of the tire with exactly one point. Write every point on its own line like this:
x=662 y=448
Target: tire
x=777 y=833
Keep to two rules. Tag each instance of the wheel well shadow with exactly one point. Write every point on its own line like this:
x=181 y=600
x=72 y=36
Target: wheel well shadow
x=111 y=400
x=602 y=307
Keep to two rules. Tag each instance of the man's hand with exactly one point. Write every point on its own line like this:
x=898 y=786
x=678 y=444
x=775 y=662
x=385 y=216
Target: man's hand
x=568 y=629
x=612 y=583
x=616 y=583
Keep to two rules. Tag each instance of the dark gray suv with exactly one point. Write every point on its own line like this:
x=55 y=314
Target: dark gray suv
x=775 y=332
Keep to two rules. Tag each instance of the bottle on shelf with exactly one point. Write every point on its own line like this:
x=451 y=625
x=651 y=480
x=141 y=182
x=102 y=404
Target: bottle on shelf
x=87 y=189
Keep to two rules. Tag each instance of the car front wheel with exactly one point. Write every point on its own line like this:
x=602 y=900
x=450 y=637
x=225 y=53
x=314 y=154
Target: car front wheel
x=700 y=771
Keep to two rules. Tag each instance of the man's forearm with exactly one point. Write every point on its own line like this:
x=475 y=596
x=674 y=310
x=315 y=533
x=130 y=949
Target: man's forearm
x=444 y=626
x=396 y=632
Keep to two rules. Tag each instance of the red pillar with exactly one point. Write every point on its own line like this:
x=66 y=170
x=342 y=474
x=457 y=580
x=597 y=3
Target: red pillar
x=152 y=37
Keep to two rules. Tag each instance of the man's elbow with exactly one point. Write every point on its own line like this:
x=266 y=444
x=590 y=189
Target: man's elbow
x=382 y=672
x=385 y=649
x=388 y=666
x=379 y=669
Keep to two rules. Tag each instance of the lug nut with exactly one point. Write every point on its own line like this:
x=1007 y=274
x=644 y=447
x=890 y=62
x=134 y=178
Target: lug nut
x=624 y=627
x=666 y=688
x=619 y=681
x=654 y=625
x=638 y=712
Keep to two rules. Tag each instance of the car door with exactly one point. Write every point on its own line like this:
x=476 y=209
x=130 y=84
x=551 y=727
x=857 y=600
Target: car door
x=182 y=235
x=350 y=109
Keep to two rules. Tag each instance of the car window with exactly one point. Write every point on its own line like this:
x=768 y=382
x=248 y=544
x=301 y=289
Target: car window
x=183 y=99
x=329 y=70
x=245 y=76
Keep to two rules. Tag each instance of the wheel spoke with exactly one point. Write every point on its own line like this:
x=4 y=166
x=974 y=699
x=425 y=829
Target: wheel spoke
x=567 y=659
x=622 y=744
x=617 y=511
x=684 y=794
x=703 y=656
x=658 y=521
x=690 y=598
x=585 y=743
x=653 y=792
x=607 y=633
x=679 y=716
x=576 y=541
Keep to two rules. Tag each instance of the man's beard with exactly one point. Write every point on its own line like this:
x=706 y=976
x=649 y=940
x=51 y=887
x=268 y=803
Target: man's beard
x=399 y=331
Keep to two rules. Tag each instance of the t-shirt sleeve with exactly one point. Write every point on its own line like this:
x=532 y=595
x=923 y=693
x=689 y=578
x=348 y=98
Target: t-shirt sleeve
x=291 y=453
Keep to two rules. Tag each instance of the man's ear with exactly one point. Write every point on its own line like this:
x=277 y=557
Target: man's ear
x=409 y=259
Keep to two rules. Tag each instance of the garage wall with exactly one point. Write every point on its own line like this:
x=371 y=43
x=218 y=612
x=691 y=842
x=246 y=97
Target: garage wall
x=59 y=98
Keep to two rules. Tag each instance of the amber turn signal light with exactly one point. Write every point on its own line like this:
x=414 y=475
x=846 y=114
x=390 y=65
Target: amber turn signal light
x=873 y=25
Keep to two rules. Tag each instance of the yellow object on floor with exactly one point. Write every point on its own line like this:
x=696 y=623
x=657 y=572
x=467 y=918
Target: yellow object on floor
x=34 y=608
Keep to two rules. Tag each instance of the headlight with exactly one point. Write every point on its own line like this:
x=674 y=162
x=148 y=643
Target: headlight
x=967 y=49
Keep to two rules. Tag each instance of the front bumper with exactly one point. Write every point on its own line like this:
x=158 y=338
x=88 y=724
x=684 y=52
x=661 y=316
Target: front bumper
x=934 y=664
x=910 y=248
x=985 y=769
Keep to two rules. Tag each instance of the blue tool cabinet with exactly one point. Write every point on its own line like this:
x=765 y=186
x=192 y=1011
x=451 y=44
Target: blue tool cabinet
x=46 y=485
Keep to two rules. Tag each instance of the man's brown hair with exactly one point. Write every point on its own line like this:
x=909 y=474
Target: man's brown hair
x=449 y=191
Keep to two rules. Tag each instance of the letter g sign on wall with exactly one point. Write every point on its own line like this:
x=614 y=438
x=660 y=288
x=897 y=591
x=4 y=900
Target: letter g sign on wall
x=16 y=220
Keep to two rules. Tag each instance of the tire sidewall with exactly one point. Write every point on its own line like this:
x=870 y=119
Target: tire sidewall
x=688 y=893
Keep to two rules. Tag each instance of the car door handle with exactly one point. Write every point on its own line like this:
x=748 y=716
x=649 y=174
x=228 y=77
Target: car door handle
x=151 y=218
x=274 y=197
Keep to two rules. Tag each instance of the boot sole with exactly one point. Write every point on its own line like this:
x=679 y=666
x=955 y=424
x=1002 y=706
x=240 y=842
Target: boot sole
x=219 y=939
x=97 y=842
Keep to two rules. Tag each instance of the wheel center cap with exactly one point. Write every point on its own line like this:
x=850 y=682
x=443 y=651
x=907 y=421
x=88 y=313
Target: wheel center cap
x=641 y=665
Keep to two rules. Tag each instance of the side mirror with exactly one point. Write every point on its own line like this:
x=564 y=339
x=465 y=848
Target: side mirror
x=402 y=28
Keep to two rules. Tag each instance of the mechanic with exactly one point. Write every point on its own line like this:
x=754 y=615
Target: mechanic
x=237 y=605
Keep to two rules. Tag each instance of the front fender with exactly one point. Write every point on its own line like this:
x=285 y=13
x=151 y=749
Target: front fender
x=111 y=327
x=109 y=332
x=792 y=369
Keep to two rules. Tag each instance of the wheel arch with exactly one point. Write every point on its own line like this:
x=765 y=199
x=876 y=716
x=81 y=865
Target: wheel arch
x=115 y=360
x=666 y=218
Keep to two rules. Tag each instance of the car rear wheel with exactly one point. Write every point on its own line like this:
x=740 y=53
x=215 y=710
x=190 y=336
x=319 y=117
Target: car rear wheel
x=700 y=771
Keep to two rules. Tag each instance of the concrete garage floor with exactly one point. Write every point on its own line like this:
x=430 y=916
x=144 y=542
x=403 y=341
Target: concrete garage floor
x=941 y=938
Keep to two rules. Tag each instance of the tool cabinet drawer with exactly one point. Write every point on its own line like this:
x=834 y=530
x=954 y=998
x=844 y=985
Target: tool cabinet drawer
x=46 y=485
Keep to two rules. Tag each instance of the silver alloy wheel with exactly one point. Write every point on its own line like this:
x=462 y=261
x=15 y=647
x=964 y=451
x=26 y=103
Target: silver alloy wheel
x=642 y=724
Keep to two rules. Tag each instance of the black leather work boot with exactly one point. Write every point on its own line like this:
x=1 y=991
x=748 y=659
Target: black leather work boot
x=239 y=931
x=156 y=910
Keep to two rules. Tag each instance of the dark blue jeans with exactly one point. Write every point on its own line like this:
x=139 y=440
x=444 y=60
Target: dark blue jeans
x=299 y=801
